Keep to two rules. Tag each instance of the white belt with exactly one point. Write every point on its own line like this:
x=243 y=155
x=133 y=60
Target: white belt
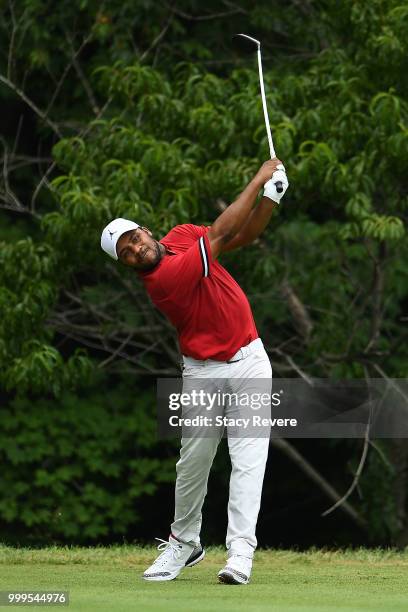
x=243 y=352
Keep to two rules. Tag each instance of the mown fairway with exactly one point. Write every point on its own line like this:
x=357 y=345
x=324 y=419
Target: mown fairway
x=109 y=579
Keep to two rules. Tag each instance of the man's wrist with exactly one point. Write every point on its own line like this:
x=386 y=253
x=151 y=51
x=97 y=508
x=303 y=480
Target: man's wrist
x=265 y=200
x=258 y=181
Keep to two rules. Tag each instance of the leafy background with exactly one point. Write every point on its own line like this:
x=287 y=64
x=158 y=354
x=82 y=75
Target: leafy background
x=144 y=110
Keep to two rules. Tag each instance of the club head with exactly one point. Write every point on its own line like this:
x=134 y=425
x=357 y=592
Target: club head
x=246 y=43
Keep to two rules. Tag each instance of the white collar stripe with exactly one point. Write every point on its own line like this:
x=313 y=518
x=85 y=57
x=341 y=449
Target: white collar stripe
x=204 y=256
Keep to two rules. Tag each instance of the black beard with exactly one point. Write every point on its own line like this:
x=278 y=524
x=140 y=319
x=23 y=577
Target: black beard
x=157 y=259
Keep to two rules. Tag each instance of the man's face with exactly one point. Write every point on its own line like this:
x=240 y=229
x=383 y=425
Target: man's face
x=139 y=250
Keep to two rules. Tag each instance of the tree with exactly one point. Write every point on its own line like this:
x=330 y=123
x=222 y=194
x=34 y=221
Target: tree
x=171 y=136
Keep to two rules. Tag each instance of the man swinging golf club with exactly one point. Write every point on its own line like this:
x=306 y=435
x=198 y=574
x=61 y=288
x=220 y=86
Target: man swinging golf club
x=218 y=340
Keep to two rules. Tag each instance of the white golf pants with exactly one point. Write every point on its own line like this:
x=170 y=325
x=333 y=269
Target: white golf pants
x=248 y=454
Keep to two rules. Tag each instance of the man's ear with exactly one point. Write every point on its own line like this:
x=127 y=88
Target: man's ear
x=146 y=229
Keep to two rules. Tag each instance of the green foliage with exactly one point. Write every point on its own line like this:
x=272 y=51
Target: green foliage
x=79 y=469
x=179 y=129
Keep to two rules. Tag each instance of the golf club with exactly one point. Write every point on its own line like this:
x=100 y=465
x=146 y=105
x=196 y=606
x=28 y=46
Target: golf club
x=248 y=45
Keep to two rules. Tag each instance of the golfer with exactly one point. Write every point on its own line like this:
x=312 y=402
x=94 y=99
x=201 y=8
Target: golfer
x=218 y=340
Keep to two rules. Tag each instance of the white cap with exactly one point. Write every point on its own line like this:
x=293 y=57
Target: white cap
x=112 y=232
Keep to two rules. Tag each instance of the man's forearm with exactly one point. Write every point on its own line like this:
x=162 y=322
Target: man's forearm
x=257 y=220
x=231 y=220
x=254 y=226
x=226 y=229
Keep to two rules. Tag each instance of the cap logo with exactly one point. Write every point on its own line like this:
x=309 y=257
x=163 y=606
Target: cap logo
x=111 y=233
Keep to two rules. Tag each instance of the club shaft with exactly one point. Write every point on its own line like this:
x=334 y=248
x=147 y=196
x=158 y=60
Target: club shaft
x=265 y=108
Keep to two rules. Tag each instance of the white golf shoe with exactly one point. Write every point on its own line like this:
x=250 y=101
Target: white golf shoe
x=237 y=570
x=175 y=556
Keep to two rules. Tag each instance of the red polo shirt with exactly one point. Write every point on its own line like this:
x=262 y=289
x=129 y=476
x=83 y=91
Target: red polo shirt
x=210 y=311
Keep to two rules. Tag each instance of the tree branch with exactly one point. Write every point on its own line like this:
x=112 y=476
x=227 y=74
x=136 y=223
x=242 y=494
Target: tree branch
x=31 y=104
x=209 y=16
x=363 y=457
x=12 y=38
x=86 y=85
x=377 y=297
x=300 y=316
x=159 y=36
x=291 y=452
x=75 y=54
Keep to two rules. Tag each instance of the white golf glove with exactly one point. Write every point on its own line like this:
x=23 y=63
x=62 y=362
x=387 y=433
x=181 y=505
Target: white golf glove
x=270 y=188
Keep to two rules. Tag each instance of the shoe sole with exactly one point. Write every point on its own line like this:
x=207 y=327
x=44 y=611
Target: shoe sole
x=174 y=575
x=160 y=578
x=196 y=560
x=229 y=578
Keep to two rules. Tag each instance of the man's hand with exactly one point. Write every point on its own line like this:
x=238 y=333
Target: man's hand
x=267 y=169
x=231 y=221
x=272 y=173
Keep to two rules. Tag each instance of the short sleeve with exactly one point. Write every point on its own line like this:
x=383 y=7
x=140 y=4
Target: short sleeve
x=184 y=271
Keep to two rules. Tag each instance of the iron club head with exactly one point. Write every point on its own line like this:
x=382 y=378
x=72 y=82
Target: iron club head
x=246 y=43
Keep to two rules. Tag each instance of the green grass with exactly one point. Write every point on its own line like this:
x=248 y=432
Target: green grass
x=109 y=579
